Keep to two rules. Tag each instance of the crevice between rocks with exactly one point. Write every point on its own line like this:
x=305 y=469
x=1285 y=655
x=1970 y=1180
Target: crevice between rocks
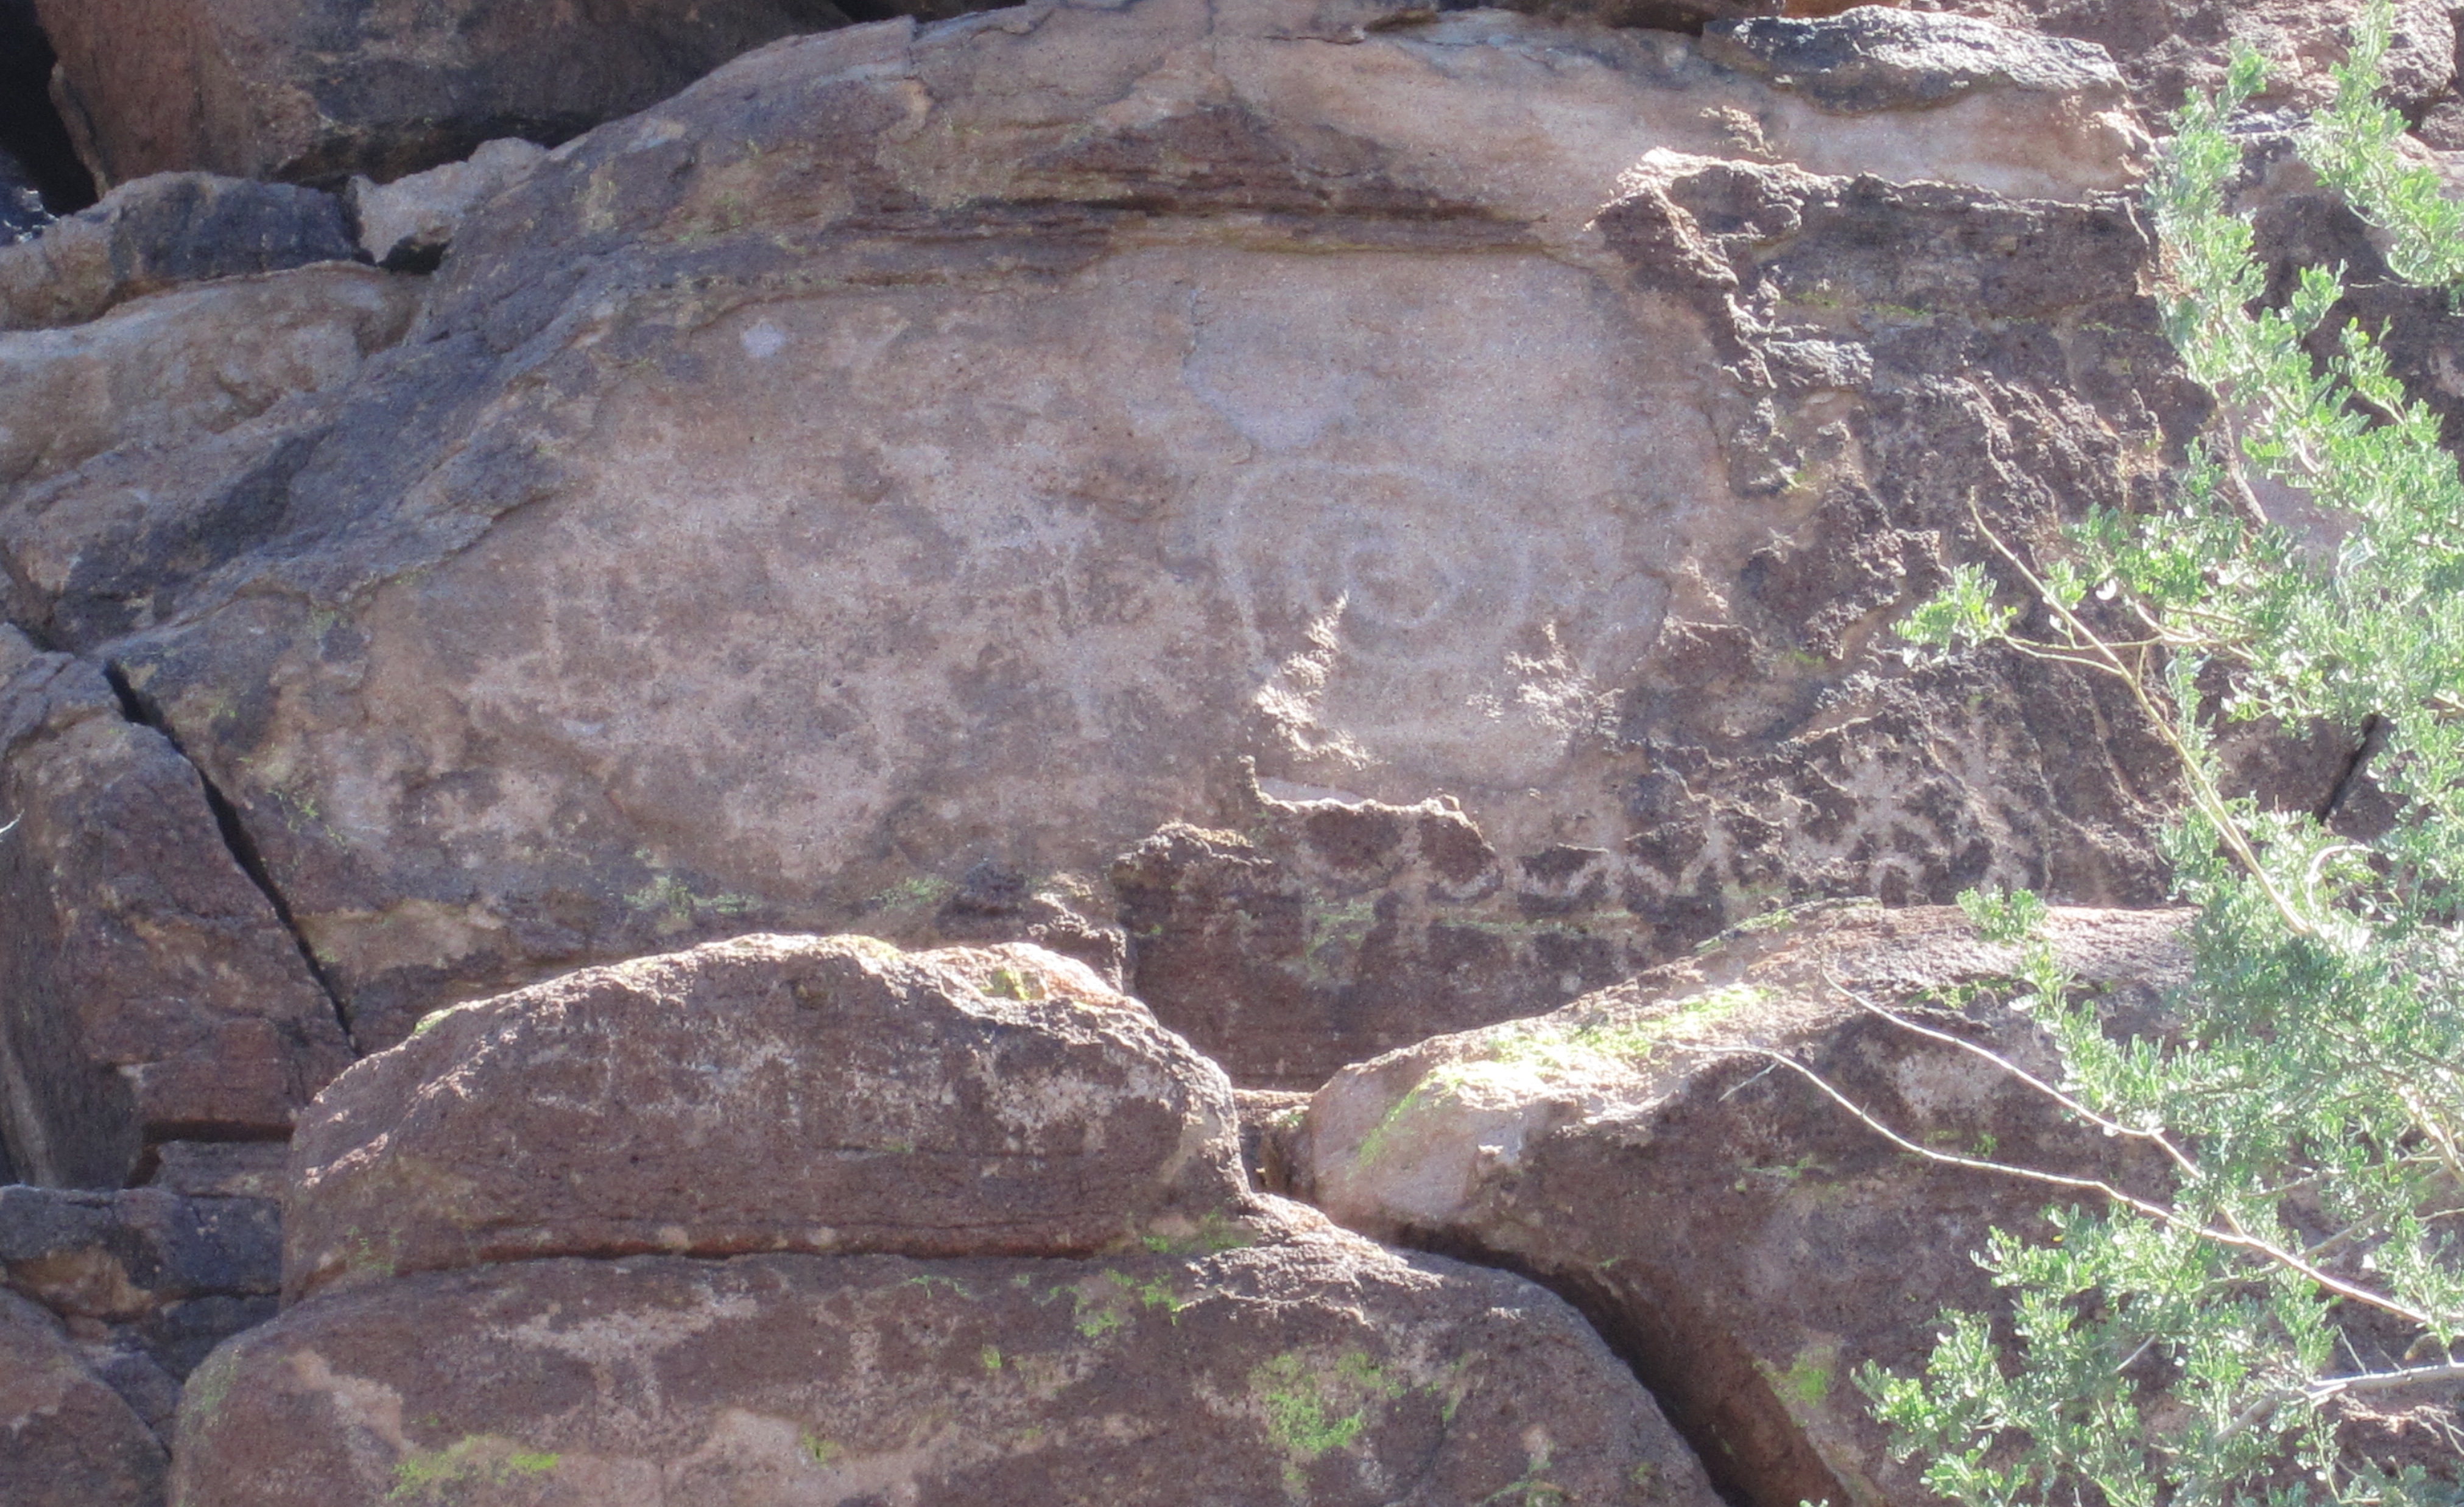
x=2374 y=738
x=1707 y=1386
x=242 y=847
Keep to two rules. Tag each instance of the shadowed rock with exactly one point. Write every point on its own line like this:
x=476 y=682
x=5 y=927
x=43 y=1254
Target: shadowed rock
x=159 y=233
x=66 y=1440
x=151 y=989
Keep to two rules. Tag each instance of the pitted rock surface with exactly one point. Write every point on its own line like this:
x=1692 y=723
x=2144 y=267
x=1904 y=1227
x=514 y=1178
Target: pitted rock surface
x=1315 y=1367
x=151 y=989
x=767 y=1094
x=1743 y=1239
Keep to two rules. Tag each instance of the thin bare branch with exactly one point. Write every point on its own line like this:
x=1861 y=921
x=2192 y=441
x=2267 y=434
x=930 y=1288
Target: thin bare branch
x=2110 y=1126
x=2235 y=1239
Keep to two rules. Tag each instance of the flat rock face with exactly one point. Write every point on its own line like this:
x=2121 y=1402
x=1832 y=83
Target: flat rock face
x=767 y=1094
x=1743 y=1239
x=911 y=454
x=315 y=90
x=1317 y=1370
x=66 y=1440
x=150 y=990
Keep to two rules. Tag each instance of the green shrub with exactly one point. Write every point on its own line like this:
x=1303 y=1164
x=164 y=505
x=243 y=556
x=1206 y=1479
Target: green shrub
x=2203 y=1347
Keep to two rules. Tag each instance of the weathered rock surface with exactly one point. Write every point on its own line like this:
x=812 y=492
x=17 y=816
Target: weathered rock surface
x=158 y=442
x=159 y=233
x=2167 y=48
x=406 y=225
x=151 y=989
x=1318 y=1368
x=185 y=364
x=147 y=1281
x=315 y=90
x=1743 y=1239
x=1192 y=379
x=1874 y=57
x=66 y=1440
x=767 y=1094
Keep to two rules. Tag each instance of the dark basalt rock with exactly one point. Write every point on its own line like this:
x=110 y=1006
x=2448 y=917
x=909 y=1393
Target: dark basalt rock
x=1877 y=59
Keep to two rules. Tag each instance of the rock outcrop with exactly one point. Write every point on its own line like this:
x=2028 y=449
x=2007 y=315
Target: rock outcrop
x=1214 y=1347
x=312 y=90
x=151 y=988
x=1747 y=1243
x=1191 y=384
x=2168 y=48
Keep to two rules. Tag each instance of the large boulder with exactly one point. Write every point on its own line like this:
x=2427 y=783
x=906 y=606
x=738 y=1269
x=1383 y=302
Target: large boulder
x=152 y=989
x=1312 y=1368
x=1743 y=1239
x=767 y=1094
x=912 y=455
x=315 y=90
x=1116 y=1316
x=66 y=1440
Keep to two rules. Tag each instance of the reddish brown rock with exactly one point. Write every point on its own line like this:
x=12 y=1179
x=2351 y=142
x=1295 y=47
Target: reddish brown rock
x=151 y=989
x=770 y=1093
x=315 y=90
x=66 y=1440
x=1318 y=1368
x=1624 y=508
x=2168 y=48
x=1743 y=1240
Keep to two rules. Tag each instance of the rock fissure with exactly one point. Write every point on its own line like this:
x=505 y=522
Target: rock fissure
x=2373 y=740
x=1705 y=1383
x=236 y=837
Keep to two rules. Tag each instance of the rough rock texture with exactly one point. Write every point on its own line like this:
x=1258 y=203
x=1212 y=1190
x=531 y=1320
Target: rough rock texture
x=1877 y=59
x=315 y=90
x=1742 y=1239
x=158 y=442
x=148 y=988
x=911 y=454
x=66 y=1440
x=767 y=1094
x=2167 y=48
x=147 y=1281
x=1318 y=1368
x=159 y=233
x=406 y=225
x=185 y=364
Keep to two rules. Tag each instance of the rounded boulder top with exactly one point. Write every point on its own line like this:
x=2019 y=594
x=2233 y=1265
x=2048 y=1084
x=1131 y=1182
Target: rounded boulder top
x=830 y=1095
